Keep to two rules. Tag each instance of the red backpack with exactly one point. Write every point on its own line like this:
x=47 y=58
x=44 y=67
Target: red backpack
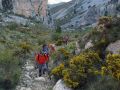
x=40 y=59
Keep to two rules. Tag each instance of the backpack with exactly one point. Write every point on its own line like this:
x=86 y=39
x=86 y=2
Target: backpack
x=40 y=59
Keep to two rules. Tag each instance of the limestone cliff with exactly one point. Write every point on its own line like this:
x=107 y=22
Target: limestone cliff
x=28 y=8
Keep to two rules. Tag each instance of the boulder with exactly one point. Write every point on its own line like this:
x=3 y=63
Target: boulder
x=89 y=45
x=23 y=88
x=114 y=47
x=29 y=68
x=40 y=79
x=28 y=77
x=61 y=86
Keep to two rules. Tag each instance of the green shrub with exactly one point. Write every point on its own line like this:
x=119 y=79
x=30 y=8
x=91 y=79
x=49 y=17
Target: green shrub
x=59 y=43
x=2 y=41
x=56 y=36
x=41 y=41
x=12 y=26
x=9 y=69
x=105 y=83
x=76 y=36
x=58 y=29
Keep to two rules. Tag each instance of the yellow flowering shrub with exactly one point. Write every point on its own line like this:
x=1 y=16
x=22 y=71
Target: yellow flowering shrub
x=112 y=66
x=79 y=68
x=58 y=70
x=26 y=48
x=105 y=20
x=65 y=53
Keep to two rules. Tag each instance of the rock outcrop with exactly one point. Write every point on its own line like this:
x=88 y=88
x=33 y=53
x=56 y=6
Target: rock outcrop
x=80 y=13
x=114 y=47
x=89 y=44
x=61 y=86
x=27 y=8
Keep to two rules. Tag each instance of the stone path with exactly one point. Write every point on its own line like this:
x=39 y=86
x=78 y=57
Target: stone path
x=30 y=80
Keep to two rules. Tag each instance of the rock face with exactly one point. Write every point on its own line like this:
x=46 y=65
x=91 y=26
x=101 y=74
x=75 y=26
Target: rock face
x=61 y=86
x=114 y=47
x=89 y=45
x=78 y=13
x=28 y=8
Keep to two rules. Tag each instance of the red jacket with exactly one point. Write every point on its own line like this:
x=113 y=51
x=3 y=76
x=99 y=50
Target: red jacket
x=41 y=59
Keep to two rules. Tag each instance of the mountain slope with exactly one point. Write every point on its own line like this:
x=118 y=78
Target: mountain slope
x=84 y=12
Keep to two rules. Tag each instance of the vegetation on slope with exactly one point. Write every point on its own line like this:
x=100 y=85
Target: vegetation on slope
x=17 y=43
x=91 y=69
x=94 y=66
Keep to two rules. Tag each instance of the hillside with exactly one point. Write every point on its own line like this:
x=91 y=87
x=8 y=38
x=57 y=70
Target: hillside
x=80 y=13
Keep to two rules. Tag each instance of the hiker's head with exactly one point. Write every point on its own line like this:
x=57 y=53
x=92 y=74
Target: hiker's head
x=44 y=45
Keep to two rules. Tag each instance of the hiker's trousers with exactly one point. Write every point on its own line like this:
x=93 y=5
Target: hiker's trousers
x=42 y=69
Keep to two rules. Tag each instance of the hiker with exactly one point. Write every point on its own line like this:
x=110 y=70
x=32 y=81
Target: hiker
x=45 y=49
x=52 y=48
x=66 y=39
x=41 y=59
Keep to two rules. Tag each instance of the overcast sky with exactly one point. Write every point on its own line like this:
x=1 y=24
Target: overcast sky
x=57 y=1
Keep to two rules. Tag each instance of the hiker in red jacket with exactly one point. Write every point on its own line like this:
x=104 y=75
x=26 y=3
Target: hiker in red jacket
x=41 y=60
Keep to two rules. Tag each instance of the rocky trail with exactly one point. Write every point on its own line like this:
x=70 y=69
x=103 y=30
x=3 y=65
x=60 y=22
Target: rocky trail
x=31 y=81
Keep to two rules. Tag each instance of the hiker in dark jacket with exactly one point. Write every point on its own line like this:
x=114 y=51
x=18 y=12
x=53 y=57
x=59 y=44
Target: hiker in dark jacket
x=45 y=49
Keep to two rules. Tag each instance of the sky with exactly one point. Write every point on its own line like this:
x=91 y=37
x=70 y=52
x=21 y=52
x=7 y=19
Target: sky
x=57 y=1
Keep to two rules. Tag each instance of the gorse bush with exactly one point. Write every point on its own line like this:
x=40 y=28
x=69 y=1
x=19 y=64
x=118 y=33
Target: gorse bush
x=26 y=48
x=105 y=22
x=58 y=70
x=65 y=53
x=9 y=69
x=112 y=66
x=80 y=68
x=87 y=66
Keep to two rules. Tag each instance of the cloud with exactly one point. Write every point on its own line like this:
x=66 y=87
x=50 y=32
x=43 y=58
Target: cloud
x=57 y=1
